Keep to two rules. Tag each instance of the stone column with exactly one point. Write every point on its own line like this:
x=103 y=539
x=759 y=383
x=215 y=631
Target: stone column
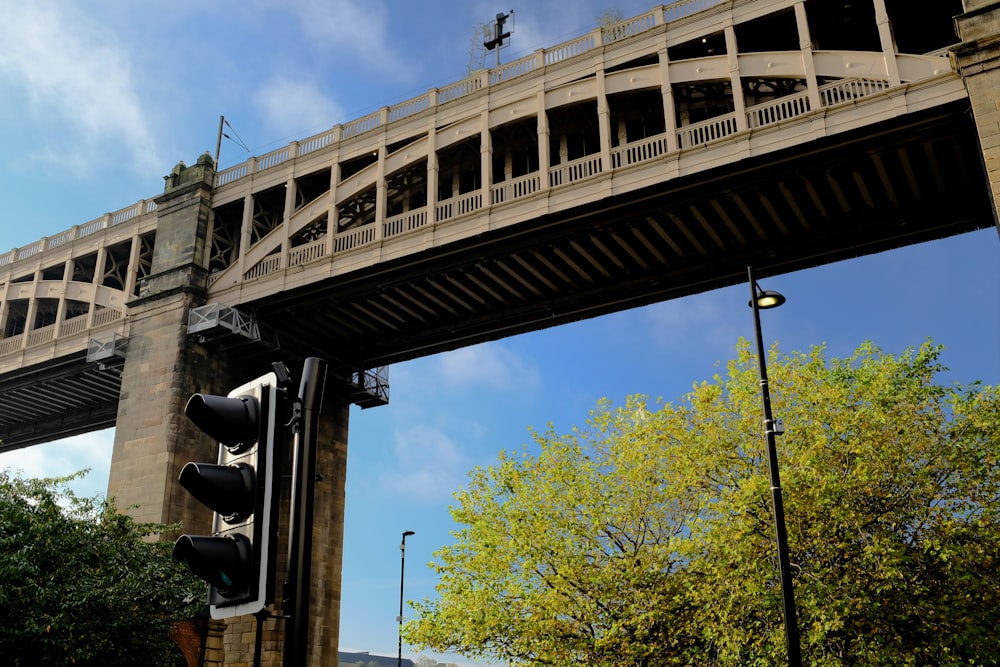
x=978 y=59
x=163 y=366
x=154 y=439
x=327 y=550
x=328 y=531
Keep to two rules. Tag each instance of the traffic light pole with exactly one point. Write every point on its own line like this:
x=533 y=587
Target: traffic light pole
x=297 y=582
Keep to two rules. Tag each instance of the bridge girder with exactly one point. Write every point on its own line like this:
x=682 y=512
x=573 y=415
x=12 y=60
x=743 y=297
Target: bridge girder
x=905 y=181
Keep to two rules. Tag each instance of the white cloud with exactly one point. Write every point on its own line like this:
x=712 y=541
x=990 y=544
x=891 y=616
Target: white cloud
x=490 y=365
x=65 y=67
x=292 y=107
x=429 y=466
x=358 y=28
x=713 y=319
x=64 y=457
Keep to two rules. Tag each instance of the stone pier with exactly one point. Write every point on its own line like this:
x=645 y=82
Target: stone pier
x=154 y=439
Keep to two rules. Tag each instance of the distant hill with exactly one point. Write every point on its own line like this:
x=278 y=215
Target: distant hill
x=367 y=659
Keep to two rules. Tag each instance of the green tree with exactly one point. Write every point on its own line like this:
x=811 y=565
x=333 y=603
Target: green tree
x=647 y=538
x=79 y=584
x=610 y=17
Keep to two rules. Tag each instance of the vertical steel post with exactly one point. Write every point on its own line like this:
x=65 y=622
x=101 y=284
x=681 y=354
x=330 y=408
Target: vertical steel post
x=297 y=582
x=402 y=569
x=787 y=593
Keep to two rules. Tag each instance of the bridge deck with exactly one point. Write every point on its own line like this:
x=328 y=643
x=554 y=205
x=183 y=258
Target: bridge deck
x=645 y=161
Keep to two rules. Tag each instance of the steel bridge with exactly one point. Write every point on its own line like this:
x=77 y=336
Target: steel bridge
x=643 y=161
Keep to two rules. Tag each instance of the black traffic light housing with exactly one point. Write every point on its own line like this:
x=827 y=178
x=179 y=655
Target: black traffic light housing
x=237 y=560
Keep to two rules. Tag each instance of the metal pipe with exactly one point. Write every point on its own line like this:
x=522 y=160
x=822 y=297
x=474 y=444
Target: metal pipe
x=310 y=399
x=787 y=593
x=402 y=569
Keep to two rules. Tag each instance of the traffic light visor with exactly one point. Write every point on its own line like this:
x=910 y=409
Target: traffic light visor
x=232 y=421
x=228 y=490
x=224 y=562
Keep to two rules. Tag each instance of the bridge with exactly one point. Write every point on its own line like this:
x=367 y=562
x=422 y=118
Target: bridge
x=644 y=161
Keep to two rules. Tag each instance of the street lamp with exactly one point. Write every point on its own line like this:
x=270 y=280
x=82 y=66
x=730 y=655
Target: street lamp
x=761 y=300
x=402 y=568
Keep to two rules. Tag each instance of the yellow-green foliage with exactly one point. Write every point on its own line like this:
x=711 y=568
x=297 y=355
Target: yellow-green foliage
x=646 y=538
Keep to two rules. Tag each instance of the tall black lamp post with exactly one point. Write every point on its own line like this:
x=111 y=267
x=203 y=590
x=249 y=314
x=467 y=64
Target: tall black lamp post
x=759 y=300
x=402 y=569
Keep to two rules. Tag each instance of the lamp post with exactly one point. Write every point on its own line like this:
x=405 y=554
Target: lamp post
x=759 y=300
x=402 y=569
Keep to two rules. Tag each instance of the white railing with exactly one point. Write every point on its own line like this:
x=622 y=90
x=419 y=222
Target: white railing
x=570 y=49
x=354 y=238
x=468 y=86
x=687 y=137
x=29 y=251
x=309 y=252
x=316 y=142
x=706 y=131
x=273 y=159
x=514 y=69
x=638 y=151
x=460 y=89
x=73 y=325
x=410 y=107
x=137 y=210
x=452 y=208
x=848 y=90
x=777 y=110
x=266 y=266
x=42 y=335
x=629 y=28
x=59 y=239
x=575 y=170
x=516 y=188
x=91 y=227
x=405 y=222
x=12 y=344
x=104 y=316
x=232 y=174
x=362 y=125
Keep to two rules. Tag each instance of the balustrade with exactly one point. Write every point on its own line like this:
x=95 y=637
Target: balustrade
x=405 y=222
x=521 y=186
x=777 y=110
x=625 y=155
x=638 y=151
x=848 y=90
x=354 y=238
x=268 y=265
x=451 y=208
x=42 y=335
x=706 y=131
x=12 y=344
x=575 y=170
x=73 y=325
x=104 y=316
x=307 y=253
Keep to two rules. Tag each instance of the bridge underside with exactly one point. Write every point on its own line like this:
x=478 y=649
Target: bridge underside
x=915 y=179
x=65 y=397
x=912 y=180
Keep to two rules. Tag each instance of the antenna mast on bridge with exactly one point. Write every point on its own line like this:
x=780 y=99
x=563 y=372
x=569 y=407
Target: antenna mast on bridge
x=494 y=35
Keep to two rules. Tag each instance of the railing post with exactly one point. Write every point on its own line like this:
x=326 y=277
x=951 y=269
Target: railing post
x=667 y=91
x=735 y=81
x=805 y=44
x=887 y=42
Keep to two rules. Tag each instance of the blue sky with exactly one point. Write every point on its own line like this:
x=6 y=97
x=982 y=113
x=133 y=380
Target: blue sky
x=101 y=99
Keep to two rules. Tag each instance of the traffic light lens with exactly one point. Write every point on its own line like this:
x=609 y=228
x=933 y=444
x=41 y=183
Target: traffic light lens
x=233 y=421
x=223 y=562
x=228 y=490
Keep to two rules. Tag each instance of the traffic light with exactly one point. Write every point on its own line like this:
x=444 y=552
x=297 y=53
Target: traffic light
x=237 y=560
